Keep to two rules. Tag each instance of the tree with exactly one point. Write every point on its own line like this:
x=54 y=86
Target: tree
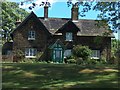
x=10 y=14
x=115 y=51
x=81 y=52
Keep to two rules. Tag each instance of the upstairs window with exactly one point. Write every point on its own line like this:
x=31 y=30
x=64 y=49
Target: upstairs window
x=95 y=54
x=30 y=52
x=31 y=35
x=69 y=36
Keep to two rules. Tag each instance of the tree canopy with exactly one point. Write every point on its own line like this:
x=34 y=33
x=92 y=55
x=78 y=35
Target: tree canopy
x=10 y=14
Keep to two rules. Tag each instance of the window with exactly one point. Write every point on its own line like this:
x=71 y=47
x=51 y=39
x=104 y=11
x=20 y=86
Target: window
x=9 y=52
x=69 y=36
x=31 y=35
x=30 y=52
x=67 y=53
x=95 y=54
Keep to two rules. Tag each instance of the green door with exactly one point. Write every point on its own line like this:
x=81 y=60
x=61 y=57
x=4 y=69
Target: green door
x=58 y=55
x=57 y=50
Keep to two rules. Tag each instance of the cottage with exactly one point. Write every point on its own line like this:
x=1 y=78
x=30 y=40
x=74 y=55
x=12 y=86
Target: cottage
x=55 y=37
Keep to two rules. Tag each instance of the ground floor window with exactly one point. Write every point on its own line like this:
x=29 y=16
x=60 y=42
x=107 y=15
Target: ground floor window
x=95 y=54
x=30 y=52
x=9 y=52
x=67 y=52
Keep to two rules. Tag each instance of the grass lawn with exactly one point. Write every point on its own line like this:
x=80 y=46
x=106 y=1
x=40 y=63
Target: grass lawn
x=62 y=76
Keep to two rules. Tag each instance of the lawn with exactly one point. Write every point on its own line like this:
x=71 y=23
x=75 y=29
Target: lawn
x=60 y=76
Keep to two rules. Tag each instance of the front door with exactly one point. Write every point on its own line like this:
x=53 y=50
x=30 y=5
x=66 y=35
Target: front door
x=57 y=55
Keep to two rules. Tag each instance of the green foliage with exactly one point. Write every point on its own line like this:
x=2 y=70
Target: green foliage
x=18 y=55
x=10 y=13
x=71 y=61
x=98 y=40
x=80 y=61
x=82 y=51
x=29 y=60
x=38 y=55
x=70 y=57
x=114 y=51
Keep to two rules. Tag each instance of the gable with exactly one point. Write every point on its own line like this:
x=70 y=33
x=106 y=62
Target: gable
x=57 y=43
x=68 y=27
x=83 y=27
x=29 y=18
x=53 y=24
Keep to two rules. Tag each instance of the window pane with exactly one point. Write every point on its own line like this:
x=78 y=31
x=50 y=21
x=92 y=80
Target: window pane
x=67 y=53
x=95 y=54
x=68 y=36
x=31 y=35
x=26 y=52
x=58 y=54
x=30 y=52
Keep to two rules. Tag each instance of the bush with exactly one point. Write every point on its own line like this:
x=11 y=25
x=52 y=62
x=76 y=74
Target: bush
x=79 y=61
x=38 y=55
x=81 y=52
x=18 y=55
x=71 y=61
x=70 y=57
x=29 y=60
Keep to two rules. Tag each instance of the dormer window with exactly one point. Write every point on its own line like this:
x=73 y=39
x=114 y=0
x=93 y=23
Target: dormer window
x=31 y=35
x=69 y=36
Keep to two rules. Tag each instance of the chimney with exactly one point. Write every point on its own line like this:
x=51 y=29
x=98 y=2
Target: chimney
x=17 y=23
x=74 y=12
x=45 y=11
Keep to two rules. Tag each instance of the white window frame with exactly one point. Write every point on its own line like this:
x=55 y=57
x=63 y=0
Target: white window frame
x=67 y=52
x=69 y=36
x=31 y=35
x=30 y=52
x=95 y=54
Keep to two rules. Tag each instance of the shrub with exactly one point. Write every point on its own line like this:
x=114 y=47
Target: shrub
x=79 y=61
x=18 y=55
x=81 y=52
x=38 y=55
x=29 y=60
x=70 y=57
x=71 y=61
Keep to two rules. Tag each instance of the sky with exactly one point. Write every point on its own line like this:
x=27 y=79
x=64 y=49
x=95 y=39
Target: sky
x=58 y=9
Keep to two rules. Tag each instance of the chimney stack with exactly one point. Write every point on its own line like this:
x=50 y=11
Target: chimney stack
x=45 y=11
x=18 y=22
x=74 y=12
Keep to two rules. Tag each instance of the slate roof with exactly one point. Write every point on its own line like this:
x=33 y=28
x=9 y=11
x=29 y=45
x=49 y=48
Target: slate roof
x=52 y=25
x=87 y=27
